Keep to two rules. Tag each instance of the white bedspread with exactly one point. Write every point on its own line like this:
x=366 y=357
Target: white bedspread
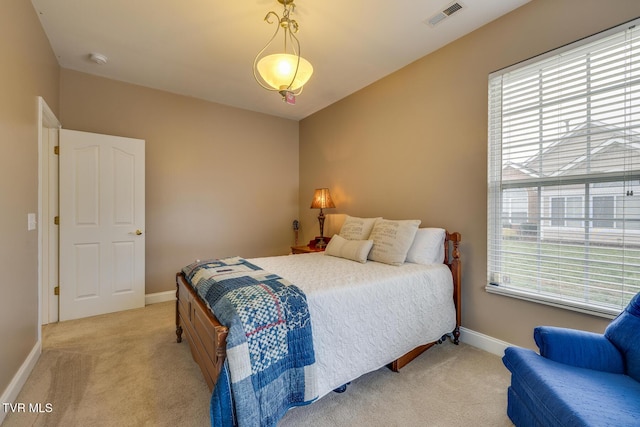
x=365 y=316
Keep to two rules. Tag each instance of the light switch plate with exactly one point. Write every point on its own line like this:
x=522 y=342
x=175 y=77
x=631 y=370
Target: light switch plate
x=31 y=221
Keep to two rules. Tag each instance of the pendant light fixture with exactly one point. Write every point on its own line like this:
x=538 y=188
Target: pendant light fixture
x=285 y=72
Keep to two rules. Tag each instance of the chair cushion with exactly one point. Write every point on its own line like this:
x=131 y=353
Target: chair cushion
x=624 y=333
x=579 y=348
x=564 y=395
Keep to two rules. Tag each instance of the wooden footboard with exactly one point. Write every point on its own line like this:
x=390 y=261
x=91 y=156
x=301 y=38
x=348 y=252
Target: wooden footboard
x=207 y=337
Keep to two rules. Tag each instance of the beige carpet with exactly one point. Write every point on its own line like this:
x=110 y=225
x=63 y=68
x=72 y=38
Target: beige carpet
x=126 y=369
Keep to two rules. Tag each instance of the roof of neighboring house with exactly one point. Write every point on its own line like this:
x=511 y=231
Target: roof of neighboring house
x=566 y=154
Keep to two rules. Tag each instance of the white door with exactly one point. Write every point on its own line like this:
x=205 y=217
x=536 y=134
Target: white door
x=102 y=223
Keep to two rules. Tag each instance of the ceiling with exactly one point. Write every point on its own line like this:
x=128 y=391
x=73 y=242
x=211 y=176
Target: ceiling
x=205 y=48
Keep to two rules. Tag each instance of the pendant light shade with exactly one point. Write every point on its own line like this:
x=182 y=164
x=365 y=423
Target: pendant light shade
x=282 y=71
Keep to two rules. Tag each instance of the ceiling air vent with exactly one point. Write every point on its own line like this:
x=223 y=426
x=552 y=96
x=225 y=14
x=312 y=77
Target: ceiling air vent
x=441 y=16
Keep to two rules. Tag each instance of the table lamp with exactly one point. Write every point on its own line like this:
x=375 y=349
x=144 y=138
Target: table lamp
x=321 y=200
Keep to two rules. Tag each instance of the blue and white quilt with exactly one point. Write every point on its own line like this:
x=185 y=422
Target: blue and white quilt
x=270 y=365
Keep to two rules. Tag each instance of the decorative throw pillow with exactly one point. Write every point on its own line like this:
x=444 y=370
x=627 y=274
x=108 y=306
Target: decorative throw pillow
x=427 y=246
x=392 y=240
x=355 y=228
x=355 y=250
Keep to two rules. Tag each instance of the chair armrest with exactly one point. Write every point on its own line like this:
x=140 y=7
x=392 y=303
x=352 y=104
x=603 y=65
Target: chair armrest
x=578 y=348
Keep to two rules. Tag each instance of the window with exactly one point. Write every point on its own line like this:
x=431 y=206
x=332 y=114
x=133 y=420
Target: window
x=603 y=212
x=574 y=215
x=515 y=207
x=557 y=211
x=564 y=175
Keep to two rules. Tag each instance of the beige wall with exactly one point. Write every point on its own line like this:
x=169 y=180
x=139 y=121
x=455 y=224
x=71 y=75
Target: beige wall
x=414 y=145
x=220 y=181
x=28 y=69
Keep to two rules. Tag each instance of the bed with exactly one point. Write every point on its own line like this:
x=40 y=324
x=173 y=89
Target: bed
x=365 y=315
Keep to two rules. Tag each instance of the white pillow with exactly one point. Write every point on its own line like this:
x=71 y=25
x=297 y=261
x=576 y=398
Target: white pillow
x=392 y=240
x=427 y=246
x=355 y=228
x=355 y=250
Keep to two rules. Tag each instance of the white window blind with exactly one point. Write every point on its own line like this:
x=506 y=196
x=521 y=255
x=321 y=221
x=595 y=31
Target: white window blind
x=564 y=175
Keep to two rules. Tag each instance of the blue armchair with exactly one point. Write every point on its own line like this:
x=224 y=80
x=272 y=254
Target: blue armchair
x=579 y=378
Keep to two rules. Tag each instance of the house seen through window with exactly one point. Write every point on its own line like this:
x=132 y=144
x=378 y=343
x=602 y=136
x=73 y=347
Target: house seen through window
x=564 y=175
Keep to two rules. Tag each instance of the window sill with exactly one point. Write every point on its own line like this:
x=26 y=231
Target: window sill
x=553 y=302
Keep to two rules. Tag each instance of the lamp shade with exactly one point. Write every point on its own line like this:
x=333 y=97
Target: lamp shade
x=277 y=71
x=322 y=199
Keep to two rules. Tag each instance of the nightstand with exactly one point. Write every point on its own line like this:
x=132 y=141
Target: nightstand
x=304 y=250
x=311 y=246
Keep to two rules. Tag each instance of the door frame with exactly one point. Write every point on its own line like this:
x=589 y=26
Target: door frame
x=48 y=126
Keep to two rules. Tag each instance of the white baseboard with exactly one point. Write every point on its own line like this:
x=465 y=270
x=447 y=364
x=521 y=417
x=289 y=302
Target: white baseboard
x=11 y=392
x=483 y=342
x=159 y=297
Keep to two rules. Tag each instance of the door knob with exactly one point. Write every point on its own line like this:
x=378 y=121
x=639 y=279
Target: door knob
x=138 y=232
